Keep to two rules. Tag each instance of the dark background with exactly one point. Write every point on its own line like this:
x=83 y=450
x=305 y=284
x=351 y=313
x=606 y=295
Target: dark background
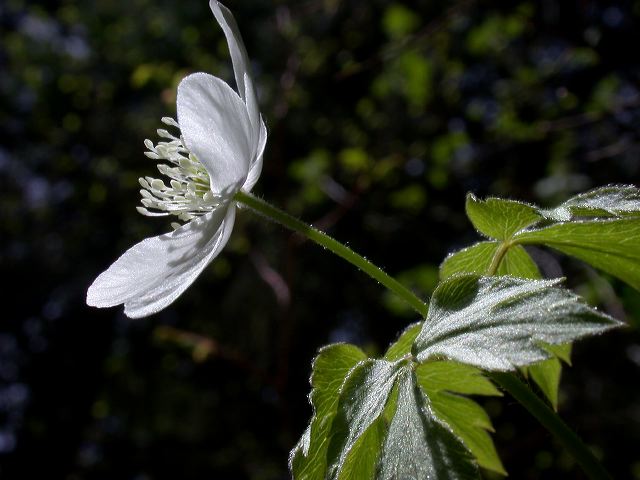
x=381 y=117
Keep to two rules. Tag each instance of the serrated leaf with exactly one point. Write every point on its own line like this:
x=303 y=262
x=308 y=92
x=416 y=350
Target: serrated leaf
x=363 y=397
x=440 y=381
x=608 y=201
x=545 y=374
x=612 y=201
x=308 y=458
x=610 y=245
x=402 y=346
x=499 y=218
x=498 y=323
x=455 y=377
x=362 y=461
x=417 y=445
x=473 y=259
x=472 y=425
x=467 y=419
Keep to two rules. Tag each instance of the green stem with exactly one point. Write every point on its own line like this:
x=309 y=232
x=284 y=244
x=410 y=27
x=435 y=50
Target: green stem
x=292 y=223
x=539 y=409
x=508 y=381
x=497 y=258
x=553 y=423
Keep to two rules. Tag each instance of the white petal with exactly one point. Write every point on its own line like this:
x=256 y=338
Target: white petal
x=256 y=166
x=239 y=58
x=152 y=274
x=216 y=128
x=253 y=112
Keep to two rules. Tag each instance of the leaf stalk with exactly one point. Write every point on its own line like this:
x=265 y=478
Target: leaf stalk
x=497 y=258
x=553 y=423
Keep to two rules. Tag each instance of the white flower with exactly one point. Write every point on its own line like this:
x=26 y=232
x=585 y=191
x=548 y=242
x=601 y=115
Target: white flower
x=218 y=153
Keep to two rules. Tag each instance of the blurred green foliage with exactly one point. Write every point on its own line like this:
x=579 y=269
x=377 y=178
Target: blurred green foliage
x=381 y=116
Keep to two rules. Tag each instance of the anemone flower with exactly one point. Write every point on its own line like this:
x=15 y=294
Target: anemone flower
x=218 y=153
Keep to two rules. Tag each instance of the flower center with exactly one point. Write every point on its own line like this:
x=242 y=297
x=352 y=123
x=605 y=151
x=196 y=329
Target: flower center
x=188 y=194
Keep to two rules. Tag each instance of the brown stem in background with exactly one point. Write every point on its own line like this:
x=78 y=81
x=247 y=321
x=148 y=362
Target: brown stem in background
x=203 y=348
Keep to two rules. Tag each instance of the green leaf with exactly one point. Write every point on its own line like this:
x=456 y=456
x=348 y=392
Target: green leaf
x=473 y=259
x=546 y=375
x=498 y=218
x=478 y=257
x=363 y=397
x=517 y=263
x=397 y=432
x=402 y=346
x=562 y=351
x=610 y=245
x=613 y=201
x=440 y=381
x=417 y=445
x=362 y=461
x=498 y=323
x=308 y=458
x=444 y=375
x=608 y=201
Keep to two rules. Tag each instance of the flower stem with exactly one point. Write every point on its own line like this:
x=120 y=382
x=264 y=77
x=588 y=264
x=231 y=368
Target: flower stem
x=508 y=381
x=275 y=214
x=553 y=423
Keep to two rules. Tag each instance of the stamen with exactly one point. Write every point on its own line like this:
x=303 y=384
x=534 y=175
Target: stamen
x=188 y=194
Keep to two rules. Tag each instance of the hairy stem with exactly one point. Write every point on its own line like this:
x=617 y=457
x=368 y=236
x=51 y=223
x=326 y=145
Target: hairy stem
x=275 y=214
x=553 y=423
x=497 y=258
x=540 y=410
